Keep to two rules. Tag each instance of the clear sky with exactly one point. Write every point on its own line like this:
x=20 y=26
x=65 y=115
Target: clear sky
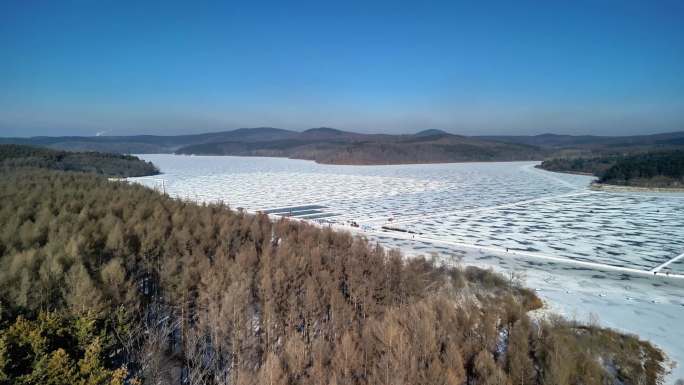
x=481 y=67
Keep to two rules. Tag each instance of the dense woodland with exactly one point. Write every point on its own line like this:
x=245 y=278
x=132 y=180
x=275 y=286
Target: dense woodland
x=653 y=169
x=115 y=165
x=649 y=169
x=110 y=283
x=596 y=165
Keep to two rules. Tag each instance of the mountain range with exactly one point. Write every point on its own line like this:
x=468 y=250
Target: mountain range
x=329 y=145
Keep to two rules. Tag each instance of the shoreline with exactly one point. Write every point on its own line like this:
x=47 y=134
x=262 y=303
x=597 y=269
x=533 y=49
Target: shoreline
x=620 y=188
x=596 y=186
x=362 y=164
x=566 y=172
x=614 y=298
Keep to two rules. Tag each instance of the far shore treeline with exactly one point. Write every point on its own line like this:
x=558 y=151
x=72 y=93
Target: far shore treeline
x=108 y=282
x=658 y=169
x=332 y=146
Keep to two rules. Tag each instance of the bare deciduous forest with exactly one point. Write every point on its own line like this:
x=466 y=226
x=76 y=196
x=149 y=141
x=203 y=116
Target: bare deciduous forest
x=107 y=282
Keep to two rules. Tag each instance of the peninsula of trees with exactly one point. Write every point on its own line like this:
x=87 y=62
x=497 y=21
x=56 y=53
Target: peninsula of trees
x=17 y=156
x=656 y=169
x=107 y=282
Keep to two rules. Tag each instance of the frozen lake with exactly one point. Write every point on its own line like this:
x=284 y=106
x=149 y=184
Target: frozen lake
x=584 y=251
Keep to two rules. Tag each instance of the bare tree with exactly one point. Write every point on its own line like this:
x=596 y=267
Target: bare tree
x=155 y=362
x=200 y=358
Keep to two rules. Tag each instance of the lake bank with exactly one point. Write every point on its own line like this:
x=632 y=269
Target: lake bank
x=493 y=206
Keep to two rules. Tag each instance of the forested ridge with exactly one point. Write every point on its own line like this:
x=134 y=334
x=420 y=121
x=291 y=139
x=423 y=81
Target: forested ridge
x=108 y=282
x=115 y=165
x=330 y=146
x=333 y=146
x=648 y=169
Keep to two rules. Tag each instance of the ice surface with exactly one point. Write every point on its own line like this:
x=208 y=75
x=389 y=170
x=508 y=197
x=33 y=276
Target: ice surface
x=585 y=237
x=611 y=229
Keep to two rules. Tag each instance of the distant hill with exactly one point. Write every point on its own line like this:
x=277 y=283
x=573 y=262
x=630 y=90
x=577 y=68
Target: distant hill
x=431 y=132
x=330 y=145
x=13 y=156
x=325 y=145
x=149 y=144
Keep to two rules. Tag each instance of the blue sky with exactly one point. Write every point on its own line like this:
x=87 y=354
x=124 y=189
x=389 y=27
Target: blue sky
x=499 y=67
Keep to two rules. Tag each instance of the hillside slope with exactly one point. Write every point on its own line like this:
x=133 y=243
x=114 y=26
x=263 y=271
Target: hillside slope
x=108 y=282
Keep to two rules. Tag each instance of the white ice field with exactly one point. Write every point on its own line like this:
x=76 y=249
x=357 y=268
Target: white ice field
x=584 y=251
